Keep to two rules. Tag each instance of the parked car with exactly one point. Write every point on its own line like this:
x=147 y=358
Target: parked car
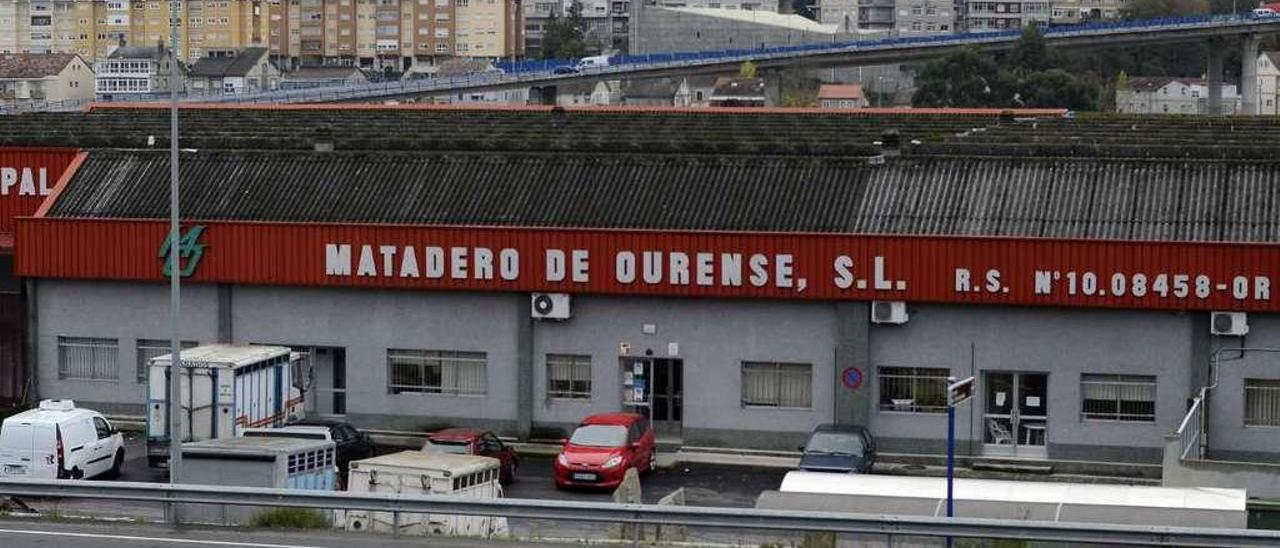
x=351 y=444
x=602 y=448
x=1262 y=13
x=470 y=441
x=58 y=440
x=839 y=448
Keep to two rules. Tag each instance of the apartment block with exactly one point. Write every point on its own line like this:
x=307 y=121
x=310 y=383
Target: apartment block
x=985 y=15
x=392 y=34
x=607 y=22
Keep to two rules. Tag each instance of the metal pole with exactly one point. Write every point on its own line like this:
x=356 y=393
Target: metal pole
x=951 y=462
x=175 y=362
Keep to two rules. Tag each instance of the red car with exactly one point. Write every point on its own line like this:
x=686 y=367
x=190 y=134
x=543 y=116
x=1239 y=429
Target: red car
x=469 y=441
x=602 y=448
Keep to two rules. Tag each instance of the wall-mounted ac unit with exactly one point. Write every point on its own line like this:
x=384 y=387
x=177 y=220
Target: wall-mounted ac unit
x=891 y=312
x=550 y=306
x=1231 y=324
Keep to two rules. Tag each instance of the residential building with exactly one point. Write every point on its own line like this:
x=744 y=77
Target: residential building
x=44 y=77
x=1001 y=15
x=599 y=93
x=851 y=15
x=315 y=77
x=842 y=96
x=134 y=71
x=1065 y=12
x=607 y=22
x=250 y=71
x=93 y=28
x=393 y=33
x=738 y=91
x=1168 y=95
x=924 y=17
x=657 y=29
x=1269 y=82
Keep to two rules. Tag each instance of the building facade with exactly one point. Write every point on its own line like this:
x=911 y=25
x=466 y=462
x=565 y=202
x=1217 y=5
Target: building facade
x=1166 y=95
x=608 y=22
x=739 y=296
x=28 y=77
x=136 y=71
x=249 y=71
x=981 y=16
x=1269 y=82
x=394 y=34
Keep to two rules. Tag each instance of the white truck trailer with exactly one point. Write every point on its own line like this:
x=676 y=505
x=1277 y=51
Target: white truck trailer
x=225 y=388
x=420 y=473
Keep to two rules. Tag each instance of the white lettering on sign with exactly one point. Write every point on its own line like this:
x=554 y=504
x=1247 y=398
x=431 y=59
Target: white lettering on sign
x=555 y=265
x=844 y=274
x=26 y=181
x=390 y=261
x=581 y=264
x=759 y=276
x=624 y=267
x=731 y=269
x=1176 y=286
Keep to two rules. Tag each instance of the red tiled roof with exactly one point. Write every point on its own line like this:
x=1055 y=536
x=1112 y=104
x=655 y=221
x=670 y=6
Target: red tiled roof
x=840 y=91
x=33 y=65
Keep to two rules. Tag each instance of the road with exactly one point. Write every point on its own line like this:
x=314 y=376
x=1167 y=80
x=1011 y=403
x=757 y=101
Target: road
x=46 y=534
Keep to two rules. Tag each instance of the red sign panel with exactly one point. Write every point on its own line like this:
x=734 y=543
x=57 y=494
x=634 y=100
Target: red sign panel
x=27 y=177
x=1177 y=276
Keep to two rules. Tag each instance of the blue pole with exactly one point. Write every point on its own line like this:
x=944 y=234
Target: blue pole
x=951 y=463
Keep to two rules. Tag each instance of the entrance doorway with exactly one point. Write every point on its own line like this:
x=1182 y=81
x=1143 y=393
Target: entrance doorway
x=1015 y=423
x=326 y=389
x=654 y=387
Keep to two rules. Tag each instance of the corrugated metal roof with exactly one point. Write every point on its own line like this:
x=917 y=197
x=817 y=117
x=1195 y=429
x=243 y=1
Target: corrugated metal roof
x=1053 y=198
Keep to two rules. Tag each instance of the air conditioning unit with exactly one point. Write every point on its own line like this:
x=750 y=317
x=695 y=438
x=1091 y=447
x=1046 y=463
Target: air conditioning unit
x=1232 y=324
x=550 y=306
x=891 y=312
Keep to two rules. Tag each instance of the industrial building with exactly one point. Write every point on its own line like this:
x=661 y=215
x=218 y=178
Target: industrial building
x=739 y=276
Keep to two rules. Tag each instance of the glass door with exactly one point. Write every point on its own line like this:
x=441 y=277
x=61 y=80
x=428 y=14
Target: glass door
x=1015 y=422
x=667 y=395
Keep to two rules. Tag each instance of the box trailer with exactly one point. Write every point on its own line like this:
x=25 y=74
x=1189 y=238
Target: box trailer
x=281 y=463
x=419 y=473
x=225 y=388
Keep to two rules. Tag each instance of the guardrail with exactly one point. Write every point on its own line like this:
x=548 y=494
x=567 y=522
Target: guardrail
x=1191 y=430
x=732 y=518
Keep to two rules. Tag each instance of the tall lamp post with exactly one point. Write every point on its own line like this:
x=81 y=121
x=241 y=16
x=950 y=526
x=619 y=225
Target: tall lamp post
x=175 y=361
x=958 y=392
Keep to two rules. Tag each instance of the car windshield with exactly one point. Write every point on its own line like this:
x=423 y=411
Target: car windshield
x=835 y=444
x=600 y=435
x=455 y=447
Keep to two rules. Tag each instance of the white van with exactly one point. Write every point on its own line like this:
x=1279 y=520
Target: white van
x=58 y=440
x=598 y=61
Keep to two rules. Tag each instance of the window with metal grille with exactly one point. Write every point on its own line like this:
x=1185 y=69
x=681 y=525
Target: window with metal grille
x=152 y=348
x=1262 y=402
x=568 y=377
x=1118 y=397
x=781 y=385
x=88 y=358
x=444 y=372
x=913 y=389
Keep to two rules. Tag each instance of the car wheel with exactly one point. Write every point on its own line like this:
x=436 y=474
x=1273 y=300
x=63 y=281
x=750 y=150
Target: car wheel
x=116 y=465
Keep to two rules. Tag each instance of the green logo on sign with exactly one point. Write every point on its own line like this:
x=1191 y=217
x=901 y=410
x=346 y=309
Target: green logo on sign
x=189 y=250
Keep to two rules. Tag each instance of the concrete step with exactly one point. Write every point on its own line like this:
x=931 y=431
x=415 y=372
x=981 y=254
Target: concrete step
x=1014 y=468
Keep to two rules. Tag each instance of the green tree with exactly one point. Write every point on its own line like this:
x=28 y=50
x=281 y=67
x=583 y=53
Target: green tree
x=1057 y=88
x=1030 y=53
x=566 y=37
x=964 y=78
x=747 y=69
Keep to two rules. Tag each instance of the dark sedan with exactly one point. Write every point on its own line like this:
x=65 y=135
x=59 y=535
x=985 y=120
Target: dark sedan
x=351 y=444
x=839 y=448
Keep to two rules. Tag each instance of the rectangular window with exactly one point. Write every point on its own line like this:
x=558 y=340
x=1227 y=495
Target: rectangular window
x=913 y=389
x=88 y=358
x=781 y=385
x=151 y=348
x=1261 y=402
x=568 y=376
x=443 y=372
x=1118 y=397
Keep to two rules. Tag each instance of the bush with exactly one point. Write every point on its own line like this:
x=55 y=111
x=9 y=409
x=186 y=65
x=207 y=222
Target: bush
x=291 y=518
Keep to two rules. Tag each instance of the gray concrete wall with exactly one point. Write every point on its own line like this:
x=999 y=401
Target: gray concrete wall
x=713 y=337
x=367 y=322
x=1060 y=342
x=659 y=30
x=123 y=311
x=1229 y=438
x=1259 y=480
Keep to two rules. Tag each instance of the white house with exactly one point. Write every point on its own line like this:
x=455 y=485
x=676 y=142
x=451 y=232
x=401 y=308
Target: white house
x=27 y=77
x=134 y=71
x=1170 y=95
x=1268 y=77
x=249 y=71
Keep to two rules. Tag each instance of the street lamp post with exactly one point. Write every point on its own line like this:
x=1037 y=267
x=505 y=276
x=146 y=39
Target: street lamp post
x=175 y=361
